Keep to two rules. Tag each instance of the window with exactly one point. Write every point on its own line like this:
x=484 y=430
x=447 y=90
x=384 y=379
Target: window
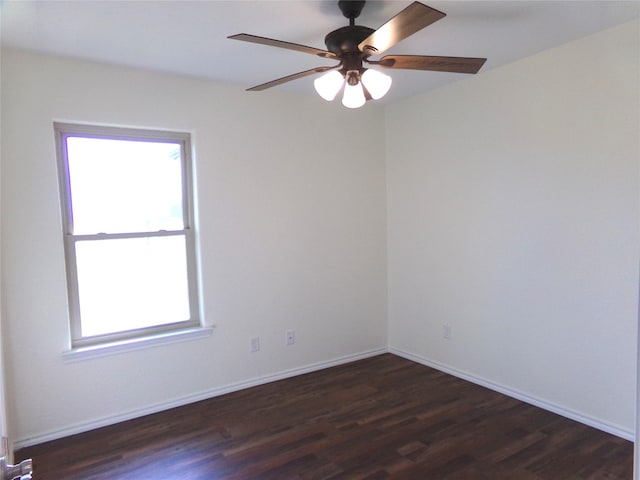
x=128 y=236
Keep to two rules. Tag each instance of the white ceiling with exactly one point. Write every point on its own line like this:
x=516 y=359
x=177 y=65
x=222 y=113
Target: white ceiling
x=189 y=37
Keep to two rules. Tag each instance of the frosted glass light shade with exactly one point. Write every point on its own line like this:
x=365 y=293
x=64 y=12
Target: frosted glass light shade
x=376 y=83
x=353 y=96
x=329 y=84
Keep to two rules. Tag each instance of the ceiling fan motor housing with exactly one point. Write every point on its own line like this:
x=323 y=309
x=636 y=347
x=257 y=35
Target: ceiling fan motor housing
x=347 y=39
x=344 y=43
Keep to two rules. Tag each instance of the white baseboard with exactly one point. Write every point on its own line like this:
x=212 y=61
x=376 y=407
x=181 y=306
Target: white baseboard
x=558 y=409
x=215 y=392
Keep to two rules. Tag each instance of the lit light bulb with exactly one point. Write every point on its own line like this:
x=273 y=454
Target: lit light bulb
x=329 y=84
x=353 y=96
x=376 y=83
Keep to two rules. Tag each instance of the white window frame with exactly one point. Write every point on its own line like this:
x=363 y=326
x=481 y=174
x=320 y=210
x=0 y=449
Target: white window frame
x=66 y=130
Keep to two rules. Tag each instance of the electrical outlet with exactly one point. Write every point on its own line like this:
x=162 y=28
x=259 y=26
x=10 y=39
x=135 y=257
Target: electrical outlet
x=291 y=337
x=446 y=332
x=255 y=344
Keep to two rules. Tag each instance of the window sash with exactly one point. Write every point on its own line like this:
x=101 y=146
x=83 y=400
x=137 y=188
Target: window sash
x=63 y=131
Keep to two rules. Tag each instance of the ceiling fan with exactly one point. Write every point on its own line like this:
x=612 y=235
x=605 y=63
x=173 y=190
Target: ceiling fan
x=354 y=44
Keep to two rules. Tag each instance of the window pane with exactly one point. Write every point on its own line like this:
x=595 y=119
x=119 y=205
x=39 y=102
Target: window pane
x=126 y=284
x=120 y=186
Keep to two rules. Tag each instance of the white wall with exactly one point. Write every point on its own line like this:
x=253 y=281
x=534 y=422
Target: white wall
x=513 y=217
x=291 y=202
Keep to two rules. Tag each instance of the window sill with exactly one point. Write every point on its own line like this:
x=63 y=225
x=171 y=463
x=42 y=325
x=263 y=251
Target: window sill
x=114 y=348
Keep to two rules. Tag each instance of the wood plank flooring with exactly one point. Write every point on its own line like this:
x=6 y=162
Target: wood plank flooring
x=379 y=418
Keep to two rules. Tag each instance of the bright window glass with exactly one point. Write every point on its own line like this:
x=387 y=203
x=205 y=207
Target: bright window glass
x=153 y=291
x=124 y=186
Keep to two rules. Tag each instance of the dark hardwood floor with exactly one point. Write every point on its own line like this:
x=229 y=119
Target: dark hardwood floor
x=383 y=417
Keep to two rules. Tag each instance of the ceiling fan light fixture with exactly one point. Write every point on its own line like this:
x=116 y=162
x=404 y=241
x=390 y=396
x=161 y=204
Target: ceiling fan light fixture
x=376 y=83
x=353 y=96
x=329 y=84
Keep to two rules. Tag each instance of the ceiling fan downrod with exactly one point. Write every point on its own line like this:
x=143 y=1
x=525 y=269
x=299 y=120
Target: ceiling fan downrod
x=344 y=41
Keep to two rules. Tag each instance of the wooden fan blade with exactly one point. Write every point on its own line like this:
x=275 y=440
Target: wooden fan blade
x=413 y=18
x=245 y=37
x=288 y=78
x=439 y=64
